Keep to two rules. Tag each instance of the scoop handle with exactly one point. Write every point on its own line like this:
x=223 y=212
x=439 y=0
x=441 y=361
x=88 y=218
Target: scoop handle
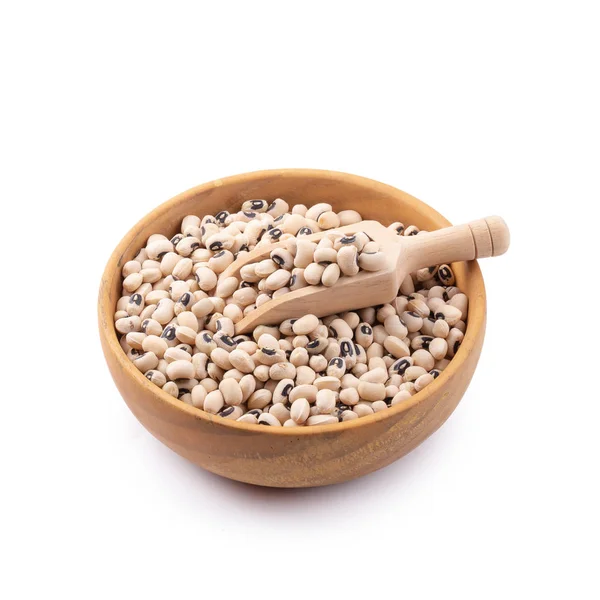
x=477 y=239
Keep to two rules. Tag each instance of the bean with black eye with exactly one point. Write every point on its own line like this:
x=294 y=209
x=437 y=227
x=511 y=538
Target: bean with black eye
x=336 y=367
x=445 y=275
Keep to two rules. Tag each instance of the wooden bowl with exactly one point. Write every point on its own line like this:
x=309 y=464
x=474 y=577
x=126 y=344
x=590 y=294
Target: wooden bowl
x=298 y=456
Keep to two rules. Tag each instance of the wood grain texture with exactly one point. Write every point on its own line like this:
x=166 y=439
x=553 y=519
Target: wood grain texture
x=291 y=457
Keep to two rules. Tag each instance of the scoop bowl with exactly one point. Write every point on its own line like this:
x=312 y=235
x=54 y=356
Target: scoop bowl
x=295 y=456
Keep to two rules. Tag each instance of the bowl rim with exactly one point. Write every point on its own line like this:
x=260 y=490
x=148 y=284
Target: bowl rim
x=475 y=323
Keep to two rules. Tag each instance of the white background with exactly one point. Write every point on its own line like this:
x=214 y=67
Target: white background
x=110 y=108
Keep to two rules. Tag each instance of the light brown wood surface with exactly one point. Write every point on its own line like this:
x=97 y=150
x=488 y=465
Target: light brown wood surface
x=404 y=254
x=278 y=456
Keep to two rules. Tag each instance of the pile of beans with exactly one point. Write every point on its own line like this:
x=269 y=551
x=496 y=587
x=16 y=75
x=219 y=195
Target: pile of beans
x=177 y=319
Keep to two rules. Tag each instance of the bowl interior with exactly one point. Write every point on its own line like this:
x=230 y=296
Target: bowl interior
x=373 y=200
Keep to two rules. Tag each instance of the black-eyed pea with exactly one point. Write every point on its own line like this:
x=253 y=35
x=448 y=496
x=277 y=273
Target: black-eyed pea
x=165 y=311
x=209 y=385
x=180 y=369
x=214 y=402
x=408 y=386
x=203 y=308
x=232 y=413
x=248 y=386
x=327 y=383
x=438 y=348
x=156 y=377
x=391 y=391
x=177 y=289
x=426 y=274
x=325 y=256
x=259 y=399
x=305 y=325
x=189 y=320
x=399 y=367
x=394 y=326
x=418 y=307
x=300 y=341
x=248 y=418
x=131 y=266
x=317 y=347
x=349 y=396
x=220 y=357
x=147 y=312
x=128 y=324
x=385 y=311
x=226 y=287
x=300 y=410
x=171 y=388
x=407 y=286
x=363 y=335
x=319 y=419
x=174 y=354
x=305 y=375
x=379 y=405
x=231 y=391
x=215 y=372
x=348 y=260
x=261 y=372
x=375 y=349
x=135 y=339
x=440 y=329
x=132 y=282
x=313 y=273
x=461 y=326
x=331 y=274
x=371 y=391
x=412 y=321
x=454 y=339
x=158 y=246
x=328 y=220
x=200 y=362
x=151 y=327
x=299 y=356
x=448 y=313
x=395 y=379
x=336 y=367
x=280 y=292
x=423 y=381
x=224 y=341
x=269 y=419
x=207 y=279
x=372 y=261
x=400 y=397
x=163 y=284
x=445 y=275
x=241 y=360
x=282 y=370
x=277 y=280
x=428 y=323
x=363 y=409
x=359 y=369
x=419 y=342
x=332 y=350
x=225 y=325
x=233 y=374
x=153 y=343
x=413 y=373
x=422 y=358
x=219 y=241
x=377 y=362
x=396 y=347
x=281 y=390
x=280 y=412
x=376 y=375
x=205 y=342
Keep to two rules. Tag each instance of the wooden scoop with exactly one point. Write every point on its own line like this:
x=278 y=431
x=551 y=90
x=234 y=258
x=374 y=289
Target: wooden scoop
x=405 y=254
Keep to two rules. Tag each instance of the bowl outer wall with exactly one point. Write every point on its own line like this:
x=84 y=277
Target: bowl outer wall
x=291 y=457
